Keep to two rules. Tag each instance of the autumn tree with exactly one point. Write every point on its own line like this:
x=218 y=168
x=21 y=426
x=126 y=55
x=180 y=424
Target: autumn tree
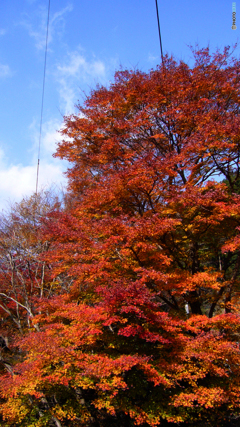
x=149 y=331
x=148 y=154
x=23 y=272
x=25 y=277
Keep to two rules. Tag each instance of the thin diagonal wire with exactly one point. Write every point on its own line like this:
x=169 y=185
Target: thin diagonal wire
x=159 y=32
x=43 y=90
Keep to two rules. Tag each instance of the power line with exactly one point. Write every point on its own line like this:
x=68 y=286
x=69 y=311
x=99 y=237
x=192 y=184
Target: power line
x=43 y=90
x=159 y=32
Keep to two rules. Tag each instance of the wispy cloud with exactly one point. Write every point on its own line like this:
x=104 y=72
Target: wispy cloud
x=78 y=66
x=50 y=137
x=5 y=71
x=75 y=71
x=152 y=58
x=19 y=180
x=36 y=25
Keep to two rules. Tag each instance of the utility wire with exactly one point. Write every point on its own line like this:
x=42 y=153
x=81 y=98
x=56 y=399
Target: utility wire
x=159 y=33
x=43 y=90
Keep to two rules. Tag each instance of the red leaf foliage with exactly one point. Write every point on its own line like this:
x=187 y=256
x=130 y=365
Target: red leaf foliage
x=147 y=330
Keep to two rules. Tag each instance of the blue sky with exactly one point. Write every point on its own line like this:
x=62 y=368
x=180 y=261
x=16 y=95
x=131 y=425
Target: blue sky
x=88 y=41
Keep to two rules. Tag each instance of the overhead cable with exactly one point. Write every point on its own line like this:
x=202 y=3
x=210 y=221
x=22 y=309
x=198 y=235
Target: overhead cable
x=159 y=32
x=43 y=90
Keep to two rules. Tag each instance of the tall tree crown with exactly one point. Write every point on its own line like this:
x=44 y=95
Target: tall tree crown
x=146 y=332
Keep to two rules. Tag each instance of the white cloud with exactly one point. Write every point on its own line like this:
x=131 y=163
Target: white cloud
x=50 y=137
x=58 y=16
x=152 y=58
x=38 y=30
x=78 y=66
x=18 y=180
x=5 y=71
x=75 y=71
x=67 y=95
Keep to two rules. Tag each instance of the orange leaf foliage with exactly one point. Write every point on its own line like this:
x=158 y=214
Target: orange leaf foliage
x=147 y=330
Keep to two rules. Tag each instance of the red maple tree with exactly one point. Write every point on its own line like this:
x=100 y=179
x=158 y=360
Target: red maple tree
x=148 y=331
